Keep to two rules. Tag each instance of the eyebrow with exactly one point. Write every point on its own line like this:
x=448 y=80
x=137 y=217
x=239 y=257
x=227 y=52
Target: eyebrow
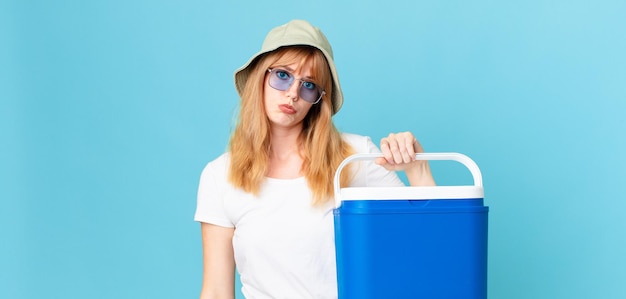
x=292 y=71
x=285 y=67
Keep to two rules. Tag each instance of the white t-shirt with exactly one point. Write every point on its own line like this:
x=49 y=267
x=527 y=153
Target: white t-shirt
x=284 y=247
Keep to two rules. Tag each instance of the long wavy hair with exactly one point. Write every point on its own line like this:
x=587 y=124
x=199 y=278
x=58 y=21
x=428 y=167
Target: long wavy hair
x=323 y=149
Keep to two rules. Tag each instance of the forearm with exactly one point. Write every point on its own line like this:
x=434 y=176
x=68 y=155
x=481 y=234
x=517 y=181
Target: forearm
x=420 y=174
x=218 y=286
x=209 y=292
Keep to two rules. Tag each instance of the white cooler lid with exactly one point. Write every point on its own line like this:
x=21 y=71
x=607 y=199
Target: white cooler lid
x=411 y=193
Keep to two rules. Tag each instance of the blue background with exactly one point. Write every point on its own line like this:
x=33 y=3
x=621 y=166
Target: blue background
x=110 y=109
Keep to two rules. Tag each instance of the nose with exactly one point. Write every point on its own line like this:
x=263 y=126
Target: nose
x=294 y=90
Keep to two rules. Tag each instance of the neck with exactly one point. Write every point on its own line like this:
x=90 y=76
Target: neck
x=284 y=148
x=285 y=161
x=285 y=142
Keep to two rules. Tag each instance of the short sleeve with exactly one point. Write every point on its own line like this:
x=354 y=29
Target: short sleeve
x=368 y=173
x=211 y=190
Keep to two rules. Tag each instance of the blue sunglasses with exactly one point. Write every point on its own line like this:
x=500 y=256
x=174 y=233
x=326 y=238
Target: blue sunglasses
x=281 y=79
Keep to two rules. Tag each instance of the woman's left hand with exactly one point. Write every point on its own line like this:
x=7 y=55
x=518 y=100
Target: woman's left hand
x=399 y=151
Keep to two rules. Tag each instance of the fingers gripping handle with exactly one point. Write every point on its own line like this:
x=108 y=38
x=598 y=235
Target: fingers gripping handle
x=463 y=159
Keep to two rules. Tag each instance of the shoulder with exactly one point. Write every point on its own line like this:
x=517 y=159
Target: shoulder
x=351 y=138
x=360 y=143
x=219 y=166
x=216 y=171
x=211 y=191
x=367 y=173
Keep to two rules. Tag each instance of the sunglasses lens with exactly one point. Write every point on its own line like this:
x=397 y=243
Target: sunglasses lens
x=282 y=80
x=309 y=92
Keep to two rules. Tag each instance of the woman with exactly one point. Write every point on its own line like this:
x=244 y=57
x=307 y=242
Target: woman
x=266 y=205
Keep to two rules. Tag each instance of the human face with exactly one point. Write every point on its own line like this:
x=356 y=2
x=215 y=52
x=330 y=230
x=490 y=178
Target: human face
x=286 y=108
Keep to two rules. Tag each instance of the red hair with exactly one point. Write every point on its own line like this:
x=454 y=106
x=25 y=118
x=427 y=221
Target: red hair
x=323 y=147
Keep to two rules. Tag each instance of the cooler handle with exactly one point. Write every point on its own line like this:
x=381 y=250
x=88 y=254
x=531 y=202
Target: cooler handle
x=463 y=159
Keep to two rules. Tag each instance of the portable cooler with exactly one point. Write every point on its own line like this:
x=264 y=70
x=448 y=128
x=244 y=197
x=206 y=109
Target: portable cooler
x=411 y=242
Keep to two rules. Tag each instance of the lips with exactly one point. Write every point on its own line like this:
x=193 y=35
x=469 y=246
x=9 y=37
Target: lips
x=288 y=109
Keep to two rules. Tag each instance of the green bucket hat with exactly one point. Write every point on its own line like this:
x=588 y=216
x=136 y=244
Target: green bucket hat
x=296 y=32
